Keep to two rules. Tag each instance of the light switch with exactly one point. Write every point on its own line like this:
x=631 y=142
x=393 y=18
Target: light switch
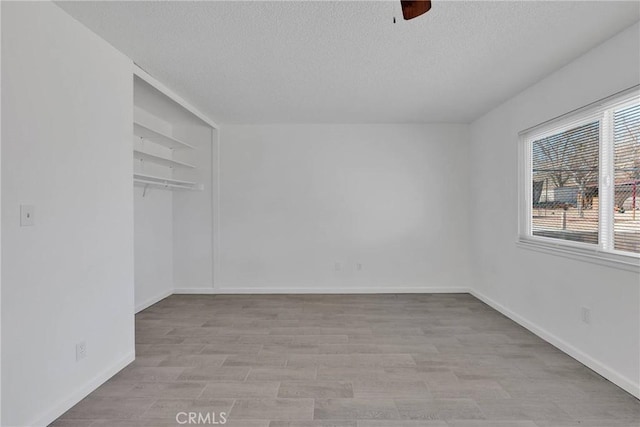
x=26 y=215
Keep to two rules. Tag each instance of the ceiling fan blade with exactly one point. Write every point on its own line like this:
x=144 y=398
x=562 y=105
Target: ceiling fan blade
x=414 y=8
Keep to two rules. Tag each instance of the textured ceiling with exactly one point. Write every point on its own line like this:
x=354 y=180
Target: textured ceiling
x=347 y=62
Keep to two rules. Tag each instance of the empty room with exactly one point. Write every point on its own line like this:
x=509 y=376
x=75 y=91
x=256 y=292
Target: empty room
x=320 y=213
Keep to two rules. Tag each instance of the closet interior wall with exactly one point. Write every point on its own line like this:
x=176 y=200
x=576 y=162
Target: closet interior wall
x=173 y=217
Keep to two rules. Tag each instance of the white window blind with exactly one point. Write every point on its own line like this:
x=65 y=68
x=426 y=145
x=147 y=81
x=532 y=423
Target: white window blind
x=565 y=184
x=626 y=138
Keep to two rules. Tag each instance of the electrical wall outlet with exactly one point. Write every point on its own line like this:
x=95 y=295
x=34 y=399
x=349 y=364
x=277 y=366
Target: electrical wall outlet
x=81 y=351
x=586 y=315
x=337 y=266
x=358 y=266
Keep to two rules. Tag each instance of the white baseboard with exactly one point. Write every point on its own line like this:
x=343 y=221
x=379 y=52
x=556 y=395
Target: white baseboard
x=599 y=367
x=153 y=300
x=68 y=402
x=324 y=290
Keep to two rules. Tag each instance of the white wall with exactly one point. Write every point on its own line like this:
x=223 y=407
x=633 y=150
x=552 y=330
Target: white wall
x=544 y=291
x=193 y=211
x=297 y=199
x=66 y=148
x=153 y=246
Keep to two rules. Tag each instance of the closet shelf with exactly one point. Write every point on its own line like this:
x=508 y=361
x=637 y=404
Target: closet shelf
x=142 y=182
x=145 y=132
x=141 y=155
x=158 y=181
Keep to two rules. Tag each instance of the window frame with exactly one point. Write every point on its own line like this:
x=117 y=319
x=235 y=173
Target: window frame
x=603 y=252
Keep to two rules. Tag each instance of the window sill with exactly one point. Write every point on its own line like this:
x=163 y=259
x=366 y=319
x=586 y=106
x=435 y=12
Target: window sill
x=592 y=256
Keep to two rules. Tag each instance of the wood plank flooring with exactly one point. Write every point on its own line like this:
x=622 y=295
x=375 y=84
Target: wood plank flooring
x=437 y=360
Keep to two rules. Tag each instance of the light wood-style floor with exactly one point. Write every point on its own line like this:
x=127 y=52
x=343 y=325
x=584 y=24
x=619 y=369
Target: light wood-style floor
x=440 y=360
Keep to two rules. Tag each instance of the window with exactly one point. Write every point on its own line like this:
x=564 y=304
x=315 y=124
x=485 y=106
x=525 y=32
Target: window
x=580 y=182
